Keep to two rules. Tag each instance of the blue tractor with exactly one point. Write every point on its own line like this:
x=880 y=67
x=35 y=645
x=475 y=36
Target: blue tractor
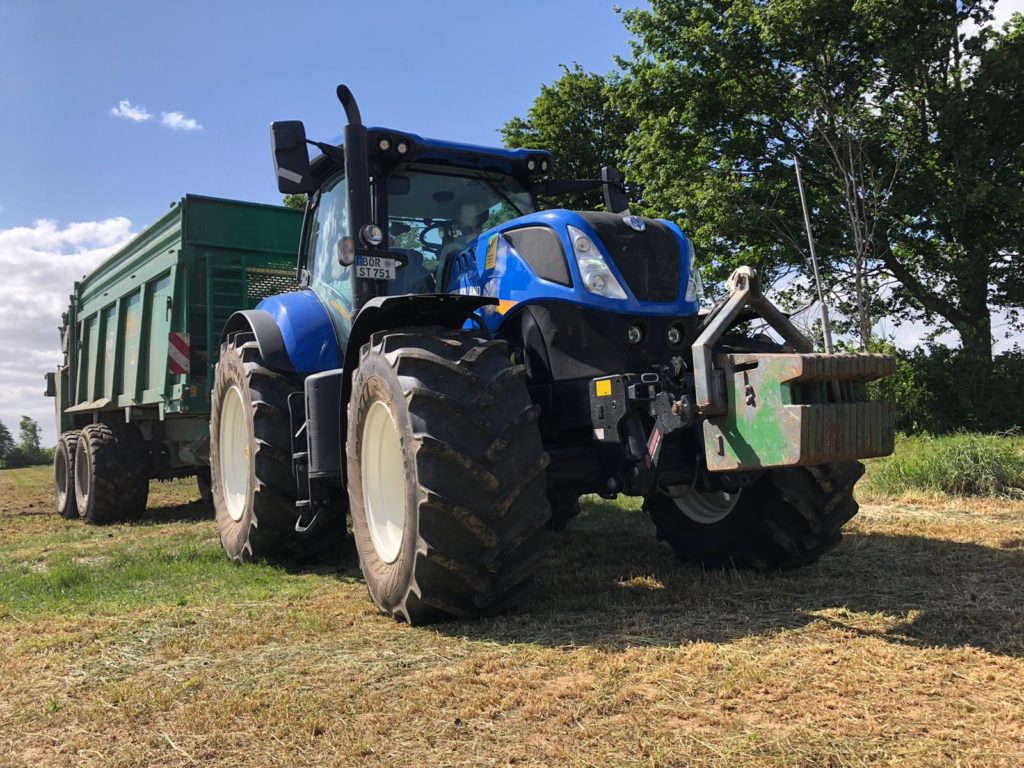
x=460 y=366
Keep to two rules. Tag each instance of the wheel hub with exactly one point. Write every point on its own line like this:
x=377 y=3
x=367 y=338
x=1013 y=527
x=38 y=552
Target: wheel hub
x=704 y=508
x=82 y=475
x=234 y=453
x=382 y=463
x=61 y=479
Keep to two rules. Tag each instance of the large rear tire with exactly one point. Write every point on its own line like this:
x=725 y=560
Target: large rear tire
x=111 y=470
x=253 y=487
x=788 y=518
x=64 y=475
x=446 y=474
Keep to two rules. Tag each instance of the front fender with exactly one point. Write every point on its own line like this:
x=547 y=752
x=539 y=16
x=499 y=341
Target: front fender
x=382 y=313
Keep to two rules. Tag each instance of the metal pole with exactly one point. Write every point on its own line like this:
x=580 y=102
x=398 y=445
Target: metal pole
x=825 y=327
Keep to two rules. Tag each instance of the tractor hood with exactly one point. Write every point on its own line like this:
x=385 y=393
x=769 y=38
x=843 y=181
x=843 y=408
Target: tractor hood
x=626 y=264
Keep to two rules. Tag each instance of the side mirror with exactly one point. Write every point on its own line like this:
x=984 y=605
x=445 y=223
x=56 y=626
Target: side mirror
x=613 y=181
x=291 y=157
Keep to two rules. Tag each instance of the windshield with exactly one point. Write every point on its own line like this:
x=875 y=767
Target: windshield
x=434 y=214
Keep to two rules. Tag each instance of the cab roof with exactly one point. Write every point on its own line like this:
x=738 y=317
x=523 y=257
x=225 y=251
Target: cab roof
x=512 y=162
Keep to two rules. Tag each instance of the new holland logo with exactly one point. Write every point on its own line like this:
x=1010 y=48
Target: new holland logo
x=634 y=222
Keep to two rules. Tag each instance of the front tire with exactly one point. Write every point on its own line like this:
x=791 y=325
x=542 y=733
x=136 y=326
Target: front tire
x=446 y=474
x=788 y=518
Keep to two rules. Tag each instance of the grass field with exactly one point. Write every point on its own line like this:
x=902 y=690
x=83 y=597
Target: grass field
x=140 y=645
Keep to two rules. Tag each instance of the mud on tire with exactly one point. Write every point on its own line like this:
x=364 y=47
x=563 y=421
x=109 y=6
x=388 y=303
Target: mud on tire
x=788 y=518
x=471 y=502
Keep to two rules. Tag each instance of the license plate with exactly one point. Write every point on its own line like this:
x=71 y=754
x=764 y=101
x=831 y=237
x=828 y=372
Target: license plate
x=375 y=267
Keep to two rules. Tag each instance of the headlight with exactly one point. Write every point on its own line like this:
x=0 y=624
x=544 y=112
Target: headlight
x=597 y=277
x=694 y=285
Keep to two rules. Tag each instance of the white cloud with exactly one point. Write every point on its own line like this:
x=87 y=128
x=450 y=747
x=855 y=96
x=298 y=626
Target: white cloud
x=127 y=111
x=40 y=265
x=1004 y=9
x=178 y=122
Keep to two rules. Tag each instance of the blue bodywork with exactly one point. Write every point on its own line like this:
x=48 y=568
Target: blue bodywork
x=513 y=282
x=307 y=330
x=312 y=344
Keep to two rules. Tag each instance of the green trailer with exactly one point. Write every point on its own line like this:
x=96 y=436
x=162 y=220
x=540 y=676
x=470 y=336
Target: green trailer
x=140 y=341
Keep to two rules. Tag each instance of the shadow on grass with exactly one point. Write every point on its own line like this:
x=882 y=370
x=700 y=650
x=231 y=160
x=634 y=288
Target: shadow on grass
x=189 y=512
x=607 y=583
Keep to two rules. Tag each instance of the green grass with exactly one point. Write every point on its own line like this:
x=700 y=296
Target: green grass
x=140 y=644
x=965 y=464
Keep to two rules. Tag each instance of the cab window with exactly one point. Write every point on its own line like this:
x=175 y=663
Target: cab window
x=435 y=213
x=332 y=281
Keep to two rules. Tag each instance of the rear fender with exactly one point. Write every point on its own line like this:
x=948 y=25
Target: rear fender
x=293 y=331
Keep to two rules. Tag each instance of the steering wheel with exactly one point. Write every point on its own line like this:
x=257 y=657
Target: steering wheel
x=444 y=228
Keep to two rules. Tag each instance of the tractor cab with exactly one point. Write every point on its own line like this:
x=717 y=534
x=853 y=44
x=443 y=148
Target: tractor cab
x=388 y=211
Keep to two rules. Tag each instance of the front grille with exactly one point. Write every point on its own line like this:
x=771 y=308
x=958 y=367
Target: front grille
x=648 y=260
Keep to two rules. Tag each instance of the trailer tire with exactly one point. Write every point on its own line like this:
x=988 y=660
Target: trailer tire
x=64 y=475
x=446 y=474
x=204 y=485
x=565 y=505
x=788 y=518
x=111 y=473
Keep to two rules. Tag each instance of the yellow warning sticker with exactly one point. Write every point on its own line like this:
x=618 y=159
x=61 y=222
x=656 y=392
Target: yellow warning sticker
x=492 y=253
x=604 y=387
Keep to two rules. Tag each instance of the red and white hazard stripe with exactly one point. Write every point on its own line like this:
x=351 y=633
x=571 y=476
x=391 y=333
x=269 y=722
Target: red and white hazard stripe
x=178 y=349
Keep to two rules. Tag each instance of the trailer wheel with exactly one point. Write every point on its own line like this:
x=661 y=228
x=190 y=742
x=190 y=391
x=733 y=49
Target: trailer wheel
x=64 y=475
x=111 y=473
x=446 y=474
x=204 y=485
x=788 y=518
x=565 y=505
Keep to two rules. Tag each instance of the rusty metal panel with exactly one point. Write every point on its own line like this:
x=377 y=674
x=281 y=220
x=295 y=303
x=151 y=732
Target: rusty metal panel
x=799 y=409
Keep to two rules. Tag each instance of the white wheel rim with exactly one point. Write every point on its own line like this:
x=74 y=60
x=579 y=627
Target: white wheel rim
x=61 y=473
x=704 y=508
x=233 y=453
x=82 y=475
x=382 y=468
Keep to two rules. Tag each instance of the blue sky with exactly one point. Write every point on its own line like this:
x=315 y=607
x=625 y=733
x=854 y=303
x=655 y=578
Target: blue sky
x=447 y=68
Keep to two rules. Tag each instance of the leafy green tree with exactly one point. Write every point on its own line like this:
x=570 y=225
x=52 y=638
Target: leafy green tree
x=575 y=119
x=295 y=201
x=6 y=443
x=910 y=130
x=29 y=437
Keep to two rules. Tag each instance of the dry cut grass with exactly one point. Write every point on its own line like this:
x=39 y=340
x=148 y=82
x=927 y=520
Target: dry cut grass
x=138 y=645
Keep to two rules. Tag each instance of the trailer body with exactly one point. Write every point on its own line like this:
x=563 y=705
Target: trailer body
x=141 y=333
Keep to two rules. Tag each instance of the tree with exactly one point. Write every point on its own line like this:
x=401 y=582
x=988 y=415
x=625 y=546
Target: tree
x=575 y=120
x=6 y=443
x=910 y=129
x=29 y=437
x=295 y=201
